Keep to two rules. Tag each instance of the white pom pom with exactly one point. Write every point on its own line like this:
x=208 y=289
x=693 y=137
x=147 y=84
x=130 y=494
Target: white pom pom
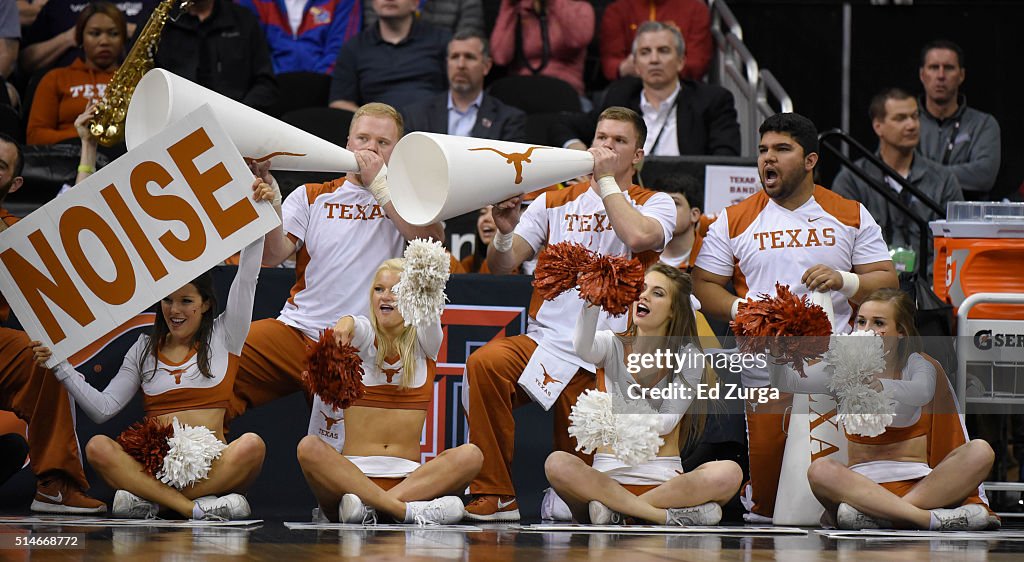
x=599 y=419
x=866 y=412
x=854 y=358
x=592 y=421
x=192 y=452
x=636 y=431
x=420 y=291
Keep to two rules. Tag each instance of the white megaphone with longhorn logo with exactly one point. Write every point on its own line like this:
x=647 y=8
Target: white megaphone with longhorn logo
x=162 y=97
x=433 y=177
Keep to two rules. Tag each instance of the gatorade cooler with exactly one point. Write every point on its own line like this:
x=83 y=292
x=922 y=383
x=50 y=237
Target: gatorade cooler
x=979 y=248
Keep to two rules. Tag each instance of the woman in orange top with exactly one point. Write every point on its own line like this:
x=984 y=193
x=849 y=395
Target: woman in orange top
x=64 y=93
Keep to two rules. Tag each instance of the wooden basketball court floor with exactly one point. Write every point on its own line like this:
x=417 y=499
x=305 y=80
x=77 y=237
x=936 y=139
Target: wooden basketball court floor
x=271 y=540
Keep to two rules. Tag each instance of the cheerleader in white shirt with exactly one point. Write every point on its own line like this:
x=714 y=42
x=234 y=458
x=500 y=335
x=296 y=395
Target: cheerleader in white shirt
x=186 y=369
x=921 y=472
x=379 y=471
x=657 y=491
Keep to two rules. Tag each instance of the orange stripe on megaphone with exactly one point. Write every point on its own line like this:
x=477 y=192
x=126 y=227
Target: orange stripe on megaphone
x=90 y=351
x=249 y=160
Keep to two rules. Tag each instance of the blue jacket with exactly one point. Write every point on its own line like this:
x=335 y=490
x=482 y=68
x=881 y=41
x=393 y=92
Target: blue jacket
x=326 y=26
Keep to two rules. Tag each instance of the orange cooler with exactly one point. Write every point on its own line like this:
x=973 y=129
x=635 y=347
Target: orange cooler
x=979 y=248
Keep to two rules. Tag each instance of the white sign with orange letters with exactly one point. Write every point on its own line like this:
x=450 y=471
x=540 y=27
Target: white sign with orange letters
x=131 y=234
x=728 y=185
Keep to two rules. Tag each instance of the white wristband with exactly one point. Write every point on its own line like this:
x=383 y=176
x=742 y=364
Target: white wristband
x=606 y=185
x=276 y=201
x=379 y=187
x=851 y=283
x=503 y=242
x=735 y=308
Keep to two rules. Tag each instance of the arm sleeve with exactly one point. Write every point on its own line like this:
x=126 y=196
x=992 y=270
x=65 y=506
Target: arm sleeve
x=362 y=335
x=661 y=208
x=917 y=387
x=238 y=310
x=673 y=410
x=295 y=213
x=869 y=246
x=786 y=379
x=503 y=36
x=43 y=117
x=471 y=16
x=724 y=127
x=341 y=30
x=699 y=45
x=951 y=190
x=345 y=80
x=716 y=253
x=979 y=173
x=101 y=406
x=571 y=24
x=590 y=345
x=430 y=337
x=615 y=40
x=533 y=224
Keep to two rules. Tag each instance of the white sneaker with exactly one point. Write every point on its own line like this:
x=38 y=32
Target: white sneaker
x=970 y=517
x=353 y=510
x=704 y=514
x=442 y=511
x=553 y=507
x=229 y=507
x=600 y=514
x=130 y=506
x=849 y=518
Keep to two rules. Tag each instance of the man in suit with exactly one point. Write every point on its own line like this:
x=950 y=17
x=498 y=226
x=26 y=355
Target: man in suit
x=465 y=110
x=682 y=116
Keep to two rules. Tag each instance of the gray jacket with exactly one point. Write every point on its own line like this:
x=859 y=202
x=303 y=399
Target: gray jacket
x=975 y=154
x=452 y=15
x=898 y=229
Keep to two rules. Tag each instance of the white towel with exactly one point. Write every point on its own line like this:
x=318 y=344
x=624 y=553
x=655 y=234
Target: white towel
x=545 y=376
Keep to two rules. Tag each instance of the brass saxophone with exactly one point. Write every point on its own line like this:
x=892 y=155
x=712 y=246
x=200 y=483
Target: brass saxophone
x=110 y=112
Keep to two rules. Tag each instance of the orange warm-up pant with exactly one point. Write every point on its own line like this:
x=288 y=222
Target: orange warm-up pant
x=271 y=365
x=766 y=445
x=37 y=397
x=493 y=373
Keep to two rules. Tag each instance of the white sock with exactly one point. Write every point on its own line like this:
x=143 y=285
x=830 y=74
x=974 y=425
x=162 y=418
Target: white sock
x=197 y=512
x=933 y=522
x=408 y=516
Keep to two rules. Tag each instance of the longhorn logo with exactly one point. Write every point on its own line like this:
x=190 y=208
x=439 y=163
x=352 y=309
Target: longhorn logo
x=329 y=420
x=516 y=159
x=176 y=373
x=390 y=373
x=547 y=378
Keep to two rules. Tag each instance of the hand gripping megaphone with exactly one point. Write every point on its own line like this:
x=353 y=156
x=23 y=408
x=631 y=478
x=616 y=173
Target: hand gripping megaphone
x=162 y=97
x=433 y=177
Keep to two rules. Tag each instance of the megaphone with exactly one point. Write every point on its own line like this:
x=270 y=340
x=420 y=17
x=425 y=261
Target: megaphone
x=162 y=97
x=433 y=177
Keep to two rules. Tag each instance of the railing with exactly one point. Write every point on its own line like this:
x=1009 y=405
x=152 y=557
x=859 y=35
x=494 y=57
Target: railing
x=735 y=69
x=876 y=185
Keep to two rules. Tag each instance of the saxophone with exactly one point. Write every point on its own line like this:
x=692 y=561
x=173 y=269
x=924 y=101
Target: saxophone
x=110 y=112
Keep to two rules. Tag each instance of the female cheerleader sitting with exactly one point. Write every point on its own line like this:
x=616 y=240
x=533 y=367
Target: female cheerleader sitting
x=379 y=470
x=657 y=491
x=921 y=473
x=186 y=368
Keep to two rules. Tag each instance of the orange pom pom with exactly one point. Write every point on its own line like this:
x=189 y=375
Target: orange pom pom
x=146 y=442
x=613 y=282
x=800 y=329
x=334 y=372
x=558 y=267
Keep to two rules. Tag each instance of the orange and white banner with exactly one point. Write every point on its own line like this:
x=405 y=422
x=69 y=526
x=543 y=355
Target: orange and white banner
x=129 y=235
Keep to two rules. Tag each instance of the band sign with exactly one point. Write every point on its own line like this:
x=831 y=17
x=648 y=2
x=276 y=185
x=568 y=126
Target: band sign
x=131 y=234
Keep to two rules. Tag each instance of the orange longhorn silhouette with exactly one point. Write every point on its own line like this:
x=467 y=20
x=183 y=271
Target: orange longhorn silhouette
x=547 y=378
x=516 y=159
x=176 y=373
x=330 y=421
